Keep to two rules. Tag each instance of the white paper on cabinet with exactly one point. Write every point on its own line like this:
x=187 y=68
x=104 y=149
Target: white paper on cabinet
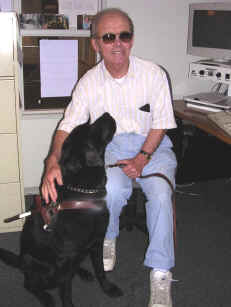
x=58 y=67
x=78 y=6
x=72 y=8
x=6 y=6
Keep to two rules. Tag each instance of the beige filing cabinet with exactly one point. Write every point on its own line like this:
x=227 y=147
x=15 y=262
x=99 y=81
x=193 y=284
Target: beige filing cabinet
x=11 y=184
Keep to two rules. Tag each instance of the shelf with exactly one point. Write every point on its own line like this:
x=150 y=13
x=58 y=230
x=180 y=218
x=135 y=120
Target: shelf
x=41 y=32
x=38 y=113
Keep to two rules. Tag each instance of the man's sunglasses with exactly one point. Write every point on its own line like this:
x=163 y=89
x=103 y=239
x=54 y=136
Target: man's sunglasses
x=109 y=38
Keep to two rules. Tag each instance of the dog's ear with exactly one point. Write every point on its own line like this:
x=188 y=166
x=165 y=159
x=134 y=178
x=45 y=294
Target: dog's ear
x=103 y=129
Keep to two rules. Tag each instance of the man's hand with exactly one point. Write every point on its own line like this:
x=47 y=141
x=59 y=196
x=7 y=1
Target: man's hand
x=133 y=167
x=53 y=171
x=52 y=174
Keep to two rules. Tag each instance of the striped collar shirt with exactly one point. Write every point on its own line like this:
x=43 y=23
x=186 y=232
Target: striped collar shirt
x=138 y=102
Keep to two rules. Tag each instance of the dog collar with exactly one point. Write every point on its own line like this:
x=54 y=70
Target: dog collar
x=80 y=189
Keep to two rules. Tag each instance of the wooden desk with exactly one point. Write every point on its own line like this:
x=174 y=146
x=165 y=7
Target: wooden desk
x=200 y=120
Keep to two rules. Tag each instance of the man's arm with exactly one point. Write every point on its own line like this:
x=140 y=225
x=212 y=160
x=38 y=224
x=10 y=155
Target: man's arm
x=153 y=140
x=134 y=167
x=52 y=168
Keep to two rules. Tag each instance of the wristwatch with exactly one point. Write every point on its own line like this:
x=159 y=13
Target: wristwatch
x=146 y=154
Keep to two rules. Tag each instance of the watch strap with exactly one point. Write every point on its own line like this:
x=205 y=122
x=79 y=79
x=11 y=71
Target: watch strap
x=146 y=154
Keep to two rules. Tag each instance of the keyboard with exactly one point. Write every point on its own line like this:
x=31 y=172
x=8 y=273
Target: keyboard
x=222 y=119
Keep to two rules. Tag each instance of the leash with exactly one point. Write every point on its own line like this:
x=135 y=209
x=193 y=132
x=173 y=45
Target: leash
x=17 y=217
x=49 y=210
x=41 y=206
x=52 y=206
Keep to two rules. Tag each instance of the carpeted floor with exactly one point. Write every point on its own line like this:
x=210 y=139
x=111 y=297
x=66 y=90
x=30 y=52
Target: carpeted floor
x=203 y=258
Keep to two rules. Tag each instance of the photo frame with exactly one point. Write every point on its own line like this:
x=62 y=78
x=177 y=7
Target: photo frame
x=43 y=21
x=84 y=21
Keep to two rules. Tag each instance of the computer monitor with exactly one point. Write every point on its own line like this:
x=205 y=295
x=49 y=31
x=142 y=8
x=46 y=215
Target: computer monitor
x=209 y=31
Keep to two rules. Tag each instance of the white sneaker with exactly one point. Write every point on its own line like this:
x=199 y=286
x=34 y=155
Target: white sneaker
x=109 y=254
x=160 y=288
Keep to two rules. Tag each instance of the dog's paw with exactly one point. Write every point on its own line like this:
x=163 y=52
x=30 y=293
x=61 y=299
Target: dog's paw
x=111 y=289
x=85 y=274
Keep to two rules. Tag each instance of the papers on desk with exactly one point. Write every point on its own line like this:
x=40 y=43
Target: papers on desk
x=222 y=120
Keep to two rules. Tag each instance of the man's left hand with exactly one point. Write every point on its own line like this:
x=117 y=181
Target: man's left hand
x=133 y=167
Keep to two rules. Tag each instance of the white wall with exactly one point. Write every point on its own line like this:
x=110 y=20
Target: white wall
x=37 y=132
x=160 y=36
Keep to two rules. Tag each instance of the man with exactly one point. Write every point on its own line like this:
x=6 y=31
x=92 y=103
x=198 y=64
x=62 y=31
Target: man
x=136 y=93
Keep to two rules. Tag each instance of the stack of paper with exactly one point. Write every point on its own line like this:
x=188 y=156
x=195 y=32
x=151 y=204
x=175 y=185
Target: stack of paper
x=222 y=120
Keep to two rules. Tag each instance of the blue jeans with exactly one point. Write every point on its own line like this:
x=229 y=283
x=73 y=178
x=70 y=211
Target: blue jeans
x=160 y=252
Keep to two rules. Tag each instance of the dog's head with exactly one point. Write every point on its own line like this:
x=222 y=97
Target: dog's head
x=82 y=157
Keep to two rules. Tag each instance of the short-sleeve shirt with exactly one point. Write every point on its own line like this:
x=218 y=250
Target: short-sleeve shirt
x=140 y=101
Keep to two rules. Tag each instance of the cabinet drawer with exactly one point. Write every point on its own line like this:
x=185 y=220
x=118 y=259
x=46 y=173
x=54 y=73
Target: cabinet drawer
x=7 y=104
x=6 y=47
x=11 y=204
x=9 y=166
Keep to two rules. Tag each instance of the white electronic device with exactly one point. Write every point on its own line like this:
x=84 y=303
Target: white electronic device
x=209 y=26
x=211 y=70
x=211 y=99
x=209 y=37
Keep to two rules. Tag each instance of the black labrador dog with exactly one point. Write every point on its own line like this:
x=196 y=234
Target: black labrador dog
x=49 y=258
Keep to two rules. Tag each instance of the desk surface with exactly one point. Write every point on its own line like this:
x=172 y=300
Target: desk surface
x=200 y=120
